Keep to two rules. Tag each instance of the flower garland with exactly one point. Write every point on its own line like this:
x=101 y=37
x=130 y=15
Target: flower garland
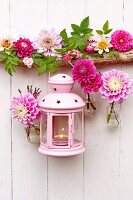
x=50 y=48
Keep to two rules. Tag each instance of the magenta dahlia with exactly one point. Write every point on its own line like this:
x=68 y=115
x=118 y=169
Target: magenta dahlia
x=116 y=86
x=82 y=70
x=24 y=47
x=25 y=109
x=93 y=84
x=122 y=40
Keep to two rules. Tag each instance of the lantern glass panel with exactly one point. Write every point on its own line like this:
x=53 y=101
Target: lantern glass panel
x=44 y=128
x=60 y=130
x=77 y=126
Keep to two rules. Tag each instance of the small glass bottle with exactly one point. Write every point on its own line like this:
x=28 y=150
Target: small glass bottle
x=90 y=108
x=33 y=134
x=113 y=115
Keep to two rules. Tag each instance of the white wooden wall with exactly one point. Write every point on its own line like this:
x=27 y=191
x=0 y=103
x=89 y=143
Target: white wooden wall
x=105 y=171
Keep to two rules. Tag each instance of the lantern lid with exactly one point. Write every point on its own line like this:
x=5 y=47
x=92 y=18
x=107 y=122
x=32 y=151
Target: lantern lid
x=58 y=101
x=61 y=83
x=61 y=79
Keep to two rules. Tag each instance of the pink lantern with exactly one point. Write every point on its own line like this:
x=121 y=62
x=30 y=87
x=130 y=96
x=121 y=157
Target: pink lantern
x=62 y=119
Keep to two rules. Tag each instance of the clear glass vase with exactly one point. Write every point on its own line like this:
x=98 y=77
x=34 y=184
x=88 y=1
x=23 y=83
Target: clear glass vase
x=33 y=134
x=90 y=107
x=113 y=115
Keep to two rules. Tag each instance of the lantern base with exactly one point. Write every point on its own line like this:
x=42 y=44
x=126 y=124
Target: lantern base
x=61 y=152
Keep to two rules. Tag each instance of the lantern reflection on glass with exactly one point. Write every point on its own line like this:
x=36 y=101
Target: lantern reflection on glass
x=61 y=108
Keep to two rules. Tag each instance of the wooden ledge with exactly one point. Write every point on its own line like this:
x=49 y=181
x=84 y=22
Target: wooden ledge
x=126 y=57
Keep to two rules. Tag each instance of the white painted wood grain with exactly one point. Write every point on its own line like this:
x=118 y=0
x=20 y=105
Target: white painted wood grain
x=105 y=171
x=29 y=166
x=5 y=138
x=5 y=120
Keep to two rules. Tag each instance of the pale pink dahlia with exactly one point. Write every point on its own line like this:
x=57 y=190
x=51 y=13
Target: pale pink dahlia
x=116 y=86
x=82 y=70
x=47 y=42
x=93 y=84
x=25 y=109
x=122 y=40
x=24 y=47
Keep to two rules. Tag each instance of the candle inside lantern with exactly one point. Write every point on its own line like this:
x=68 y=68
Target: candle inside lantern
x=60 y=139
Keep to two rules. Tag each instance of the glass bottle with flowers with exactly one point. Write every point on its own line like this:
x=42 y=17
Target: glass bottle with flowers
x=85 y=73
x=116 y=88
x=25 y=110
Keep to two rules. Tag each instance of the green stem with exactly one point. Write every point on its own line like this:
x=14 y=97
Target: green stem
x=89 y=103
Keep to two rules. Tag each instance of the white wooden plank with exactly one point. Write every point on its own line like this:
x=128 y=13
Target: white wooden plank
x=126 y=137
x=28 y=17
x=101 y=162
x=4 y=18
x=5 y=138
x=5 y=127
x=29 y=166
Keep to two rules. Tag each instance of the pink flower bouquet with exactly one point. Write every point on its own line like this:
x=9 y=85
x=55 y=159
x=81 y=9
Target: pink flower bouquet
x=25 y=110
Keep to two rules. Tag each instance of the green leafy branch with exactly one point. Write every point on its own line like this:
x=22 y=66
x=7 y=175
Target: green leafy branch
x=105 y=29
x=79 y=36
x=45 y=63
x=10 y=59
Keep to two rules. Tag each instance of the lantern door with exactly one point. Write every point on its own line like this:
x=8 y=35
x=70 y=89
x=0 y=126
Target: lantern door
x=60 y=132
x=77 y=128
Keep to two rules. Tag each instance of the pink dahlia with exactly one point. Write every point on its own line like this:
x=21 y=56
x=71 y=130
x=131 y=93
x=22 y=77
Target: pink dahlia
x=116 y=86
x=90 y=47
x=121 y=40
x=76 y=54
x=24 y=47
x=47 y=42
x=93 y=84
x=82 y=70
x=25 y=109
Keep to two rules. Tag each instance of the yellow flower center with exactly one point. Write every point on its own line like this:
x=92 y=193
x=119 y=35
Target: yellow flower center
x=102 y=44
x=114 y=84
x=6 y=44
x=21 y=111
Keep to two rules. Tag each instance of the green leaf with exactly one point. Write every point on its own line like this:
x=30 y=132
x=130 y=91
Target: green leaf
x=106 y=26
x=84 y=23
x=37 y=55
x=63 y=34
x=116 y=54
x=108 y=31
x=108 y=117
x=99 y=32
x=75 y=28
x=86 y=30
x=42 y=69
x=84 y=55
x=81 y=43
x=10 y=68
x=61 y=51
x=88 y=35
x=53 y=67
x=50 y=59
x=3 y=55
x=71 y=47
x=111 y=53
x=75 y=35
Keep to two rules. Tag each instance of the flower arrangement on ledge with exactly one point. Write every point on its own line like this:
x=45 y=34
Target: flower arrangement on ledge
x=50 y=47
